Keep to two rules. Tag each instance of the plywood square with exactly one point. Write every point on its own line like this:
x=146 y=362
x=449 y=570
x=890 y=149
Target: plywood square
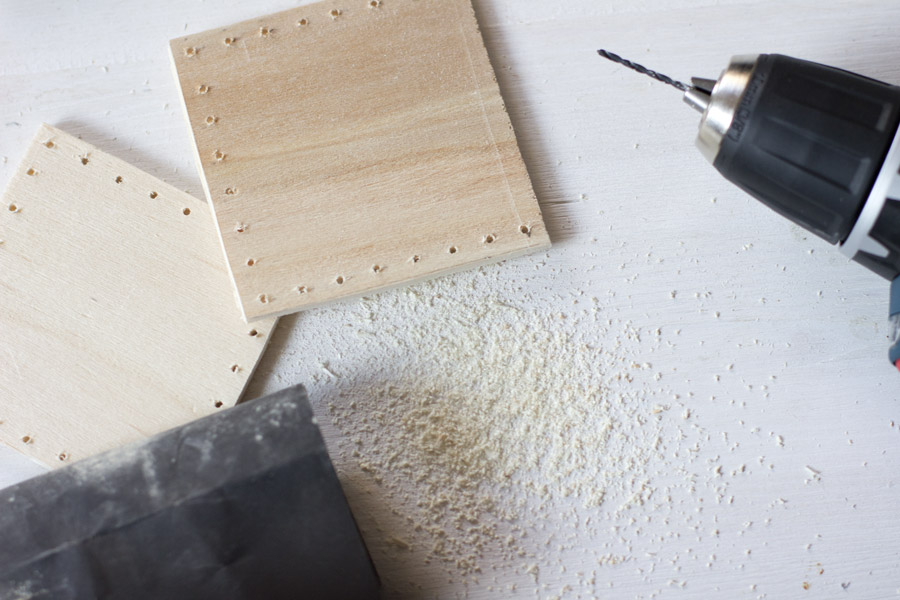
x=117 y=318
x=351 y=146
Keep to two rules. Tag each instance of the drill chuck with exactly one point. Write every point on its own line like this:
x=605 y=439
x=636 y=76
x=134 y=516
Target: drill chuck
x=816 y=144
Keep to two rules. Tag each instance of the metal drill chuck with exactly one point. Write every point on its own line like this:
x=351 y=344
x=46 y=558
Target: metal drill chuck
x=718 y=101
x=817 y=144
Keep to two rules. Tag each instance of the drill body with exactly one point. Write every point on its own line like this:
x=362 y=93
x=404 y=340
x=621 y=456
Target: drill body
x=817 y=144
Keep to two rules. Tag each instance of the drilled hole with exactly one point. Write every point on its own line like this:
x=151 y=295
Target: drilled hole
x=416 y=258
x=63 y=456
x=84 y=160
x=31 y=172
x=119 y=179
x=525 y=229
x=302 y=23
x=234 y=368
x=230 y=191
x=339 y=280
x=374 y=3
x=229 y=41
x=452 y=250
x=13 y=208
x=190 y=51
x=218 y=404
x=27 y=439
x=489 y=239
x=240 y=228
x=253 y=333
x=263 y=299
x=335 y=13
x=202 y=89
x=49 y=144
x=302 y=289
x=220 y=156
x=211 y=120
x=250 y=262
x=186 y=211
x=376 y=268
x=153 y=195
x=265 y=31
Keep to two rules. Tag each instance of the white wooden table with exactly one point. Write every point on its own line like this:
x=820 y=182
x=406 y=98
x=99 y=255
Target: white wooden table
x=757 y=302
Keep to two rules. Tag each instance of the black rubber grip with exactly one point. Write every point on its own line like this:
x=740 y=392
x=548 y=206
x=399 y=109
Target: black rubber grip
x=808 y=141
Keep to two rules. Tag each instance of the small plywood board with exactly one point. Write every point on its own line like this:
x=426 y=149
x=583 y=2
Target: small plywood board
x=117 y=318
x=352 y=146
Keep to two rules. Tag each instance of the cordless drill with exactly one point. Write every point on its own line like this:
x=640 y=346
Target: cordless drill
x=817 y=144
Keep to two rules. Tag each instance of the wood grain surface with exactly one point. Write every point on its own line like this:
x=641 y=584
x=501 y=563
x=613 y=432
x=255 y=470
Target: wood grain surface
x=116 y=314
x=350 y=147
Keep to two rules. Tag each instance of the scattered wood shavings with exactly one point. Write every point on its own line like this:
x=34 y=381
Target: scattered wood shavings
x=469 y=420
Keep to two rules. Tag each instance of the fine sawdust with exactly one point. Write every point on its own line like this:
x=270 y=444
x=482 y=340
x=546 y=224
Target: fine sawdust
x=465 y=420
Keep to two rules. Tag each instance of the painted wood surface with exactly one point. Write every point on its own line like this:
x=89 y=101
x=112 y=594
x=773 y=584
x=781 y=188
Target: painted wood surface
x=116 y=320
x=635 y=214
x=351 y=147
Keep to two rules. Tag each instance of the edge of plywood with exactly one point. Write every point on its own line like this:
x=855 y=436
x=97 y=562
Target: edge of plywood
x=212 y=207
x=408 y=282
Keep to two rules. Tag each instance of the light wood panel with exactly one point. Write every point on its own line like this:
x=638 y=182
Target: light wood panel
x=352 y=146
x=117 y=318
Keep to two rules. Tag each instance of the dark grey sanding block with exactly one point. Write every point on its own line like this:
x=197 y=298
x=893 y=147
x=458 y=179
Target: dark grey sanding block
x=244 y=504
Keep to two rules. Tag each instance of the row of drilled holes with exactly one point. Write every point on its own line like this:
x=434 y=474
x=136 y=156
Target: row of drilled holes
x=376 y=269
x=236 y=368
x=153 y=194
x=265 y=30
x=28 y=440
x=31 y=172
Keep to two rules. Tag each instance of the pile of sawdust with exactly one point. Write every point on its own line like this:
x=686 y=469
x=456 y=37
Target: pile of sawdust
x=481 y=418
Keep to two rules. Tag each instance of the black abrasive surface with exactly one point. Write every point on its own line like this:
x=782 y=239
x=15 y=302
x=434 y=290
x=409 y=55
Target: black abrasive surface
x=244 y=504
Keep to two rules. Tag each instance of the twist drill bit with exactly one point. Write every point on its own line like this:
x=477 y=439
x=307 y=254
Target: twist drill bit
x=642 y=69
